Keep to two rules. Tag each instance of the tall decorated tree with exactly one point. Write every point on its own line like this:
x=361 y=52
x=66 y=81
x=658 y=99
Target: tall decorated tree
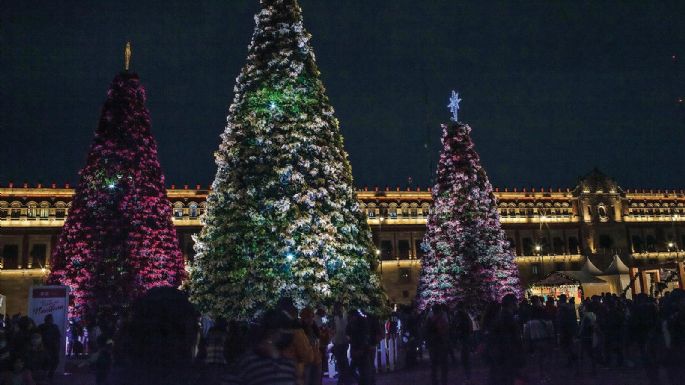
x=282 y=218
x=468 y=257
x=118 y=239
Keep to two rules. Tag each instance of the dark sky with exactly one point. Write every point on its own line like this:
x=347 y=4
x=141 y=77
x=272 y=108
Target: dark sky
x=551 y=89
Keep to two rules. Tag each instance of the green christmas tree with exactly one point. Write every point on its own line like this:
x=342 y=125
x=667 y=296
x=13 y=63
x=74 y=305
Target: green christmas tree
x=282 y=218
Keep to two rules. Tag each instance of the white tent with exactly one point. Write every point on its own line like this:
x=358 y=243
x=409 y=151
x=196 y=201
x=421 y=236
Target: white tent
x=590 y=268
x=617 y=276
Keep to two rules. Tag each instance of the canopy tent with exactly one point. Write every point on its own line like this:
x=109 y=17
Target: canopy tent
x=617 y=276
x=577 y=284
x=590 y=268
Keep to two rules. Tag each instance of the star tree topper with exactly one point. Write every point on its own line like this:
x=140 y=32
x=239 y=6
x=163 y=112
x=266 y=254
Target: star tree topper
x=454 y=105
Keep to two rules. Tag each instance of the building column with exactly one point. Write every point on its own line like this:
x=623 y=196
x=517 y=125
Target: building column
x=643 y=281
x=681 y=275
x=24 y=256
x=632 y=272
x=53 y=245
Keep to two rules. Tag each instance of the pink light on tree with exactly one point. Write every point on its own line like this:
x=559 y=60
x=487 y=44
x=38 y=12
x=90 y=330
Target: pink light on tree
x=467 y=255
x=118 y=240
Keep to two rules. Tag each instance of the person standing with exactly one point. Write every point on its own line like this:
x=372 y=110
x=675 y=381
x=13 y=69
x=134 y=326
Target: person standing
x=567 y=325
x=341 y=344
x=464 y=329
x=359 y=332
x=299 y=350
x=312 y=371
x=437 y=339
x=51 y=341
x=37 y=359
x=505 y=344
x=265 y=363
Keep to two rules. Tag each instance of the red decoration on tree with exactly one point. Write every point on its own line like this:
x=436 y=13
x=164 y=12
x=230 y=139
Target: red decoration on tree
x=118 y=240
x=467 y=255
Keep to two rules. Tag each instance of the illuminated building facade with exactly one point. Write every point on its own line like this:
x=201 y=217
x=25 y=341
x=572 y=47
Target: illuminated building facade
x=550 y=229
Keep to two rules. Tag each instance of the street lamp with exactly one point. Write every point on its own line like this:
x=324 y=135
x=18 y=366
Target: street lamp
x=378 y=249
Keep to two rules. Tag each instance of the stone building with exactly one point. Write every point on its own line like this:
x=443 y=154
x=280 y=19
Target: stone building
x=550 y=230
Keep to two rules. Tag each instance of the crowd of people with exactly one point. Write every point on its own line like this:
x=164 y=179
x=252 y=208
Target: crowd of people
x=164 y=340
x=515 y=338
x=29 y=353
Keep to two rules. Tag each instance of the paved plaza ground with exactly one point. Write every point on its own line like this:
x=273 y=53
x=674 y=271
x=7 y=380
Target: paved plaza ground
x=555 y=374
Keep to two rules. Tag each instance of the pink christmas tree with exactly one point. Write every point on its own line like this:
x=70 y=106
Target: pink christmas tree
x=118 y=240
x=468 y=257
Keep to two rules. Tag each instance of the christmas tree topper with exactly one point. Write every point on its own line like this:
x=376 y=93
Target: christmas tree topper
x=127 y=55
x=454 y=105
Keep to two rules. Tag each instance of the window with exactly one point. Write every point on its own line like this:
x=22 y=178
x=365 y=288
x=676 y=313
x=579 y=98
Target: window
x=386 y=249
x=558 y=245
x=605 y=241
x=638 y=246
x=573 y=245
x=602 y=212
x=3 y=210
x=10 y=257
x=559 y=266
x=15 y=212
x=371 y=212
x=414 y=212
x=38 y=255
x=651 y=243
x=392 y=211
x=405 y=275
x=418 y=248
x=44 y=210
x=32 y=211
x=403 y=249
x=425 y=209
x=60 y=210
x=178 y=210
x=193 y=210
x=527 y=246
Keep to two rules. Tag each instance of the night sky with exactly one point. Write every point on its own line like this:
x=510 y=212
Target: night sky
x=550 y=89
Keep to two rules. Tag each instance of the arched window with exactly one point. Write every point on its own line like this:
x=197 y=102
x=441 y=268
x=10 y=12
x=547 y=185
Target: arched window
x=15 y=210
x=383 y=212
x=32 y=209
x=60 y=210
x=405 y=210
x=3 y=209
x=425 y=209
x=193 y=209
x=178 y=210
x=371 y=210
x=602 y=212
x=414 y=210
x=392 y=210
x=44 y=211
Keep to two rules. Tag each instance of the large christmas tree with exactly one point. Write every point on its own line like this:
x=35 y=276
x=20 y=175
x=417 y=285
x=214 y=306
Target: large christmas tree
x=468 y=257
x=282 y=217
x=118 y=240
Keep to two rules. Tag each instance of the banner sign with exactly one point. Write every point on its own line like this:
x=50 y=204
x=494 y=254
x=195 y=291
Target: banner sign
x=44 y=300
